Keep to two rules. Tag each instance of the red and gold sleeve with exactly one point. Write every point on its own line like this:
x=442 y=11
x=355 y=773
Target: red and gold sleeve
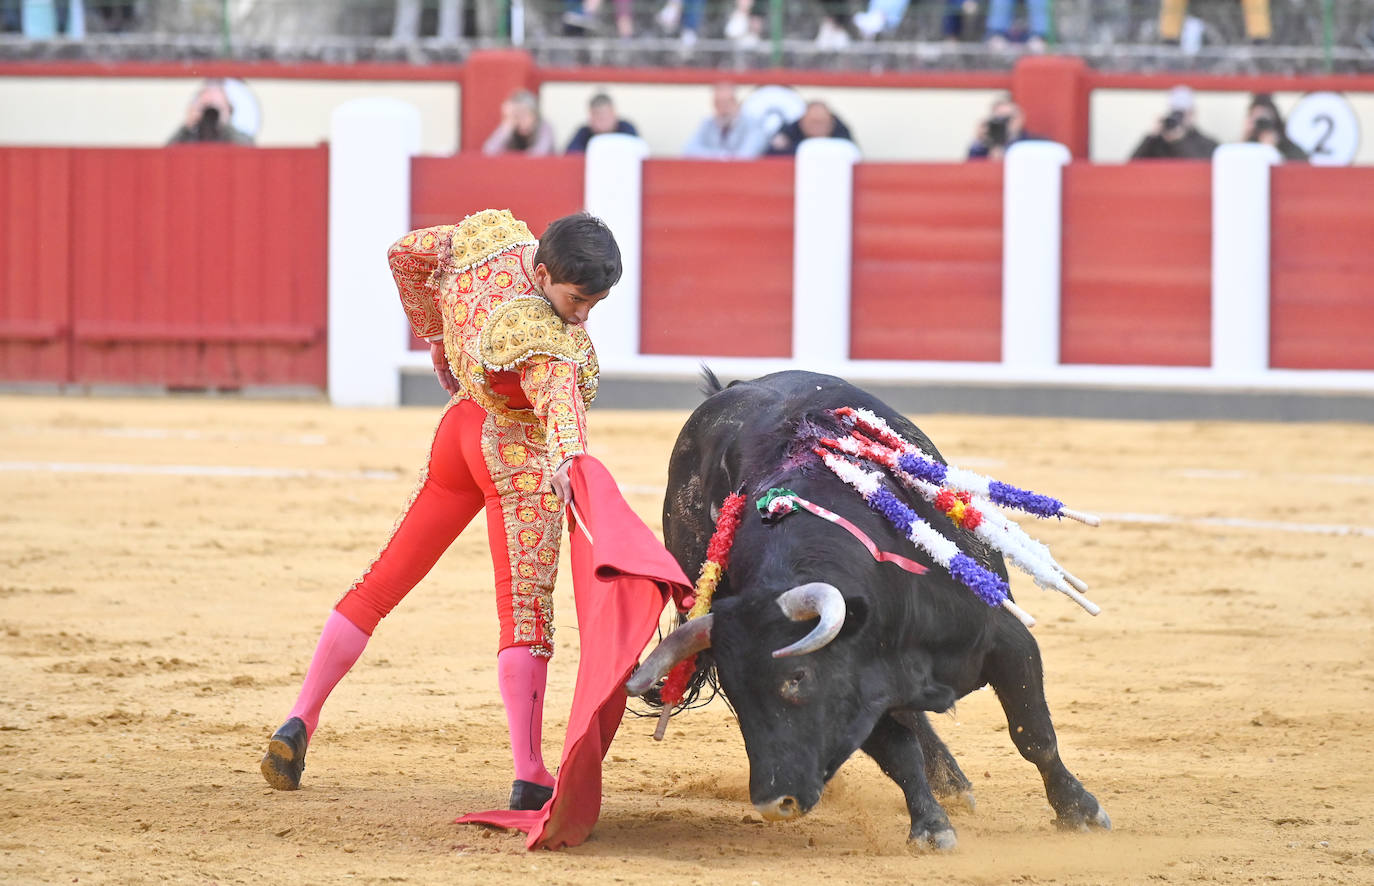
x=551 y=387
x=414 y=259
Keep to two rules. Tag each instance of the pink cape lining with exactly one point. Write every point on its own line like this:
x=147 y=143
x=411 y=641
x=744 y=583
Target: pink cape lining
x=622 y=577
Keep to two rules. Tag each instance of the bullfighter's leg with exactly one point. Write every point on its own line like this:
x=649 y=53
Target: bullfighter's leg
x=898 y=753
x=445 y=501
x=1015 y=674
x=947 y=780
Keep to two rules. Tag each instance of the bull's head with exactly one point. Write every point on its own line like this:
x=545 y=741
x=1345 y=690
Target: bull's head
x=799 y=704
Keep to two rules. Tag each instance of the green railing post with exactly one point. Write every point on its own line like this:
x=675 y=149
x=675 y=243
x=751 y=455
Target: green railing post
x=775 y=25
x=503 y=22
x=1327 y=37
x=224 y=27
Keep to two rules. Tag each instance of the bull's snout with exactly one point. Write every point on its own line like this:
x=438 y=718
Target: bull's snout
x=780 y=808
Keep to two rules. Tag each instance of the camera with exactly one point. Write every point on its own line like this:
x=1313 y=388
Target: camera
x=1173 y=121
x=207 y=127
x=997 y=130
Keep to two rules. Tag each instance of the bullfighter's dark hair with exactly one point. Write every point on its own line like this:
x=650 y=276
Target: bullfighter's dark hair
x=580 y=250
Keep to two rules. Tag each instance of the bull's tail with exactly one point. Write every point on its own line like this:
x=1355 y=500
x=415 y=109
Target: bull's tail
x=709 y=383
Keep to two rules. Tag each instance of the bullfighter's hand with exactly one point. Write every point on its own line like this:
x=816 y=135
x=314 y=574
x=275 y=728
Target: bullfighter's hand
x=562 y=486
x=441 y=367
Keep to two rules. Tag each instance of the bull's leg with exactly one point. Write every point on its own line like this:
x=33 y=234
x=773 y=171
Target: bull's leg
x=897 y=752
x=947 y=780
x=1014 y=672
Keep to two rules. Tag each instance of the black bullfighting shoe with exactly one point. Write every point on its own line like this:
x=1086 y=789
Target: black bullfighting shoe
x=285 y=758
x=526 y=795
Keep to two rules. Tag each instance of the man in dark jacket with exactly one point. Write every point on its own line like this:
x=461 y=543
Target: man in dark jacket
x=817 y=121
x=601 y=119
x=1175 y=137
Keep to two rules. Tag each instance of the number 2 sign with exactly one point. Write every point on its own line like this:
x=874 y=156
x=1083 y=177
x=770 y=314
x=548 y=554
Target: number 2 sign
x=1325 y=126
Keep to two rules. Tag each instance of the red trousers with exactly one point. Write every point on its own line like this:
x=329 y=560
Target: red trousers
x=476 y=461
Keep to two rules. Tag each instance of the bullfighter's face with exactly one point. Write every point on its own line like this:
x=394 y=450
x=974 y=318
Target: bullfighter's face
x=570 y=303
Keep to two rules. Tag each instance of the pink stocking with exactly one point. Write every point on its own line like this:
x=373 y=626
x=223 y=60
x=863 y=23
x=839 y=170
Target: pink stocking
x=341 y=642
x=522 y=677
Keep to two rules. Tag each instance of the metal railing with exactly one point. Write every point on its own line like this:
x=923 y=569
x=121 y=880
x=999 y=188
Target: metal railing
x=1322 y=35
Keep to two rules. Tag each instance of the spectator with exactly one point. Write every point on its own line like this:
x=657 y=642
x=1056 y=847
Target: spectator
x=817 y=121
x=208 y=118
x=601 y=119
x=580 y=17
x=885 y=17
x=1174 y=136
x=1258 y=26
x=522 y=130
x=727 y=134
x=999 y=29
x=833 y=34
x=1264 y=123
x=405 y=26
x=1005 y=126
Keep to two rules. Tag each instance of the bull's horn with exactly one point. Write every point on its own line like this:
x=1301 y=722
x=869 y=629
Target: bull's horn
x=688 y=639
x=809 y=601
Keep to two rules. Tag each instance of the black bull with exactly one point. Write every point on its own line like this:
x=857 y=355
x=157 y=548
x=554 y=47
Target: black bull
x=889 y=645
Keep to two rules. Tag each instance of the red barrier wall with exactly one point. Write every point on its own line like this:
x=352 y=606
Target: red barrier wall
x=1137 y=264
x=717 y=276
x=1322 y=268
x=197 y=266
x=927 y=281
x=35 y=264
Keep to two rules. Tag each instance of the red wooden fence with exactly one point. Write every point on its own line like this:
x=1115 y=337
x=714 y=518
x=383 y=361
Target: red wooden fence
x=1137 y=264
x=205 y=266
x=35 y=265
x=927 y=282
x=717 y=277
x=1322 y=268
x=200 y=266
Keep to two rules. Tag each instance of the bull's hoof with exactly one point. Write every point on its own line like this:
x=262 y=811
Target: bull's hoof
x=1079 y=820
x=932 y=841
x=964 y=799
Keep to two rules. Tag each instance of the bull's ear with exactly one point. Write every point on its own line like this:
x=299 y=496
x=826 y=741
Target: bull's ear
x=855 y=616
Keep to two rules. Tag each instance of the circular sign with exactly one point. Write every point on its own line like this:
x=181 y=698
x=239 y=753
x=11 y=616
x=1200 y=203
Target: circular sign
x=1325 y=126
x=773 y=106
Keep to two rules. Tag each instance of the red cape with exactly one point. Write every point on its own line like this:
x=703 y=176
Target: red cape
x=622 y=576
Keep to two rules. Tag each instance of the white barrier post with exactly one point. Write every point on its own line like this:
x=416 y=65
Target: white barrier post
x=1240 y=258
x=1032 y=224
x=613 y=190
x=822 y=250
x=371 y=141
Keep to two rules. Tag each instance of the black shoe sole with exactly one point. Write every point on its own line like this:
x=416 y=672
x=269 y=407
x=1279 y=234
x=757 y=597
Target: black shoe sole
x=280 y=767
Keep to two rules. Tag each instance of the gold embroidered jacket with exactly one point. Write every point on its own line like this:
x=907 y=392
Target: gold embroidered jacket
x=473 y=285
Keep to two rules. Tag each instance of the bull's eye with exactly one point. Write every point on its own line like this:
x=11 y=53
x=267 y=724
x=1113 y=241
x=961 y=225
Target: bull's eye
x=792 y=688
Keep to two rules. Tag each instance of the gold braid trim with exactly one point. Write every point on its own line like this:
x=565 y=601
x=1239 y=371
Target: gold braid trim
x=477 y=239
x=522 y=327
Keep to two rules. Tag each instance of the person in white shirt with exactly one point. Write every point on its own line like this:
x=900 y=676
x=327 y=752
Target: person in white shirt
x=727 y=134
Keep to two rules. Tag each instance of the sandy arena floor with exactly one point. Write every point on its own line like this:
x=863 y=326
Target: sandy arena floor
x=165 y=566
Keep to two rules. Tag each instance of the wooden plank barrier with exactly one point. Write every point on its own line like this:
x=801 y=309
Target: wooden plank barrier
x=927 y=281
x=717 y=277
x=1136 y=285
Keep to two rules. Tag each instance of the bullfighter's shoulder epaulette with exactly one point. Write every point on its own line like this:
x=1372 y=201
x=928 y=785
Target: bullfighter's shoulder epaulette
x=523 y=327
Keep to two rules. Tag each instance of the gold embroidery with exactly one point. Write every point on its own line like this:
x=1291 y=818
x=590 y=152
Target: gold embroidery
x=523 y=328
x=532 y=532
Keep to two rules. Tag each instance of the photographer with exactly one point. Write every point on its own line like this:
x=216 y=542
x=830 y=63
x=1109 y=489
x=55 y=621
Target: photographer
x=1264 y=124
x=1174 y=137
x=1005 y=126
x=208 y=116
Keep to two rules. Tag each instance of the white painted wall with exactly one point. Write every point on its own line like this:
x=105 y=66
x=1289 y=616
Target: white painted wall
x=145 y=111
x=933 y=125
x=1120 y=118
